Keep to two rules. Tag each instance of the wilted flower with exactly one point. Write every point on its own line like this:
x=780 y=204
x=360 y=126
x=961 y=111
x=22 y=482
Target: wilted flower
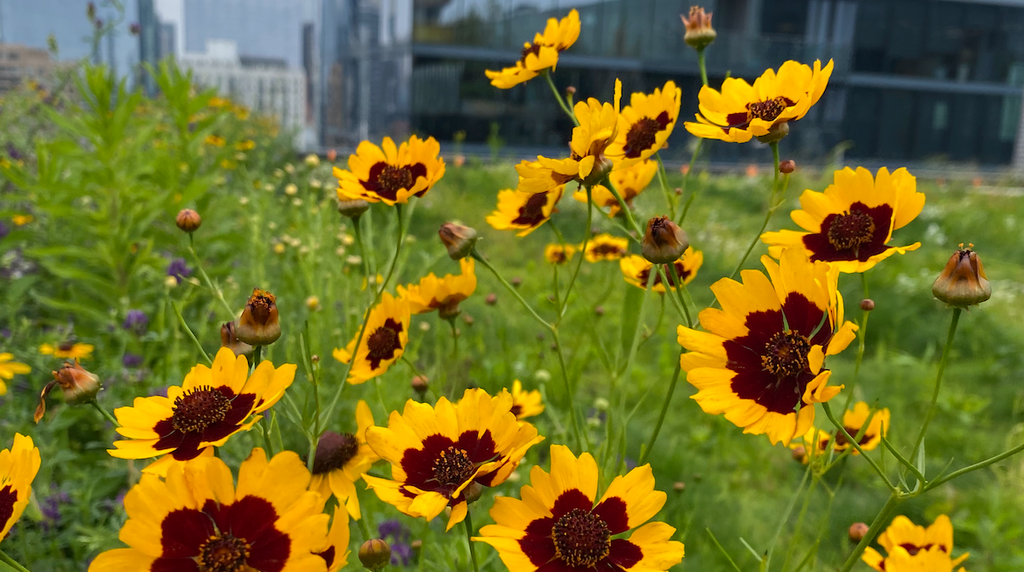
x=78 y=384
x=664 y=241
x=699 y=33
x=258 y=325
x=963 y=282
x=229 y=339
x=458 y=239
x=188 y=220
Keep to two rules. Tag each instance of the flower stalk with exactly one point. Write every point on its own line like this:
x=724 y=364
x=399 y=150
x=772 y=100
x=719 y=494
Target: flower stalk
x=938 y=380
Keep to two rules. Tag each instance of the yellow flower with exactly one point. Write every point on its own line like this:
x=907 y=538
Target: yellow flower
x=197 y=519
x=210 y=406
x=384 y=341
x=443 y=294
x=851 y=223
x=22 y=220
x=391 y=174
x=636 y=270
x=342 y=459
x=67 y=350
x=9 y=368
x=558 y=526
x=741 y=111
x=909 y=545
x=215 y=140
x=524 y=211
x=245 y=145
x=854 y=420
x=598 y=127
x=526 y=403
x=540 y=55
x=18 y=467
x=606 y=247
x=559 y=253
x=760 y=359
x=646 y=124
x=437 y=452
x=629 y=182
x=336 y=555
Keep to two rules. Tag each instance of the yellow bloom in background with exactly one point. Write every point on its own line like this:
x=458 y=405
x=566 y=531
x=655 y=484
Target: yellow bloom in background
x=526 y=403
x=197 y=519
x=545 y=174
x=598 y=127
x=560 y=525
x=851 y=223
x=930 y=560
x=542 y=54
x=629 y=182
x=636 y=270
x=336 y=555
x=437 y=452
x=384 y=341
x=210 y=406
x=915 y=542
x=815 y=443
x=559 y=253
x=67 y=350
x=18 y=467
x=646 y=124
x=215 y=140
x=741 y=111
x=391 y=174
x=245 y=145
x=606 y=247
x=443 y=294
x=759 y=360
x=341 y=460
x=854 y=420
x=8 y=369
x=524 y=211
x=22 y=220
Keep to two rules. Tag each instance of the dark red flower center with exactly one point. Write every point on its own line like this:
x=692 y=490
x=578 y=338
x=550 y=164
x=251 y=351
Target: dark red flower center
x=334 y=451
x=529 y=49
x=607 y=249
x=453 y=467
x=913 y=549
x=849 y=231
x=532 y=213
x=8 y=496
x=384 y=342
x=785 y=354
x=768 y=109
x=200 y=408
x=516 y=410
x=581 y=538
x=642 y=135
x=223 y=554
x=841 y=440
x=681 y=270
x=393 y=179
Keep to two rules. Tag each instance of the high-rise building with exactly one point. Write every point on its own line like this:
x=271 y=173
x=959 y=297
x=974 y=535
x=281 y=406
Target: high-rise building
x=264 y=28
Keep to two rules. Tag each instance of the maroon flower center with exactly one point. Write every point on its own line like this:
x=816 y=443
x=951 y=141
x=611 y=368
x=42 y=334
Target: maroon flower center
x=849 y=231
x=393 y=179
x=8 y=496
x=334 y=451
x=785 y=354
x=641 y=136
x=768 y=109
x=607 y=250
x=533 y=211
x=223 y=554
x=529 y=49
x=200 y=408
x=453 y=467
x=644 y=274
x=384 y=342
x=841 y=440
x=581 y=539
x=516 y=410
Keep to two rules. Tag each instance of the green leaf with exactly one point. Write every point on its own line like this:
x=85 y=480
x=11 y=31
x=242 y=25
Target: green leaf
x=630 y=316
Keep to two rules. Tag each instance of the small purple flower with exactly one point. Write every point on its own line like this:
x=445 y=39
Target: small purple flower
x=4 y=230
x=131 y=360
x=398 y=535
x=50 y=507
x=179 y=269
x=13 y=152
x=136 y=321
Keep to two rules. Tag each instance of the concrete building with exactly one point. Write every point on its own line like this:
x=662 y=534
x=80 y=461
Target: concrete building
x=21 y=63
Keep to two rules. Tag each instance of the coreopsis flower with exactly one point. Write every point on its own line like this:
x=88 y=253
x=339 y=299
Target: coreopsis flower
x=215 y=140
x=210 y=406
x=188 y=220
x=77 y=384
x=559 y=253
x=524 y=211
x=699 y=32
x=629 y=182
x=645 y=125
x=760 y=360
x=437 y=452
x=67 y=350
x=336 y=555
x=664 y=241
x=560 y=525
x=741 y=111
x=853 y=422
x=541 y=54
x=851 y=223
x=962 y=282
x=391 y=174
x=637 y=269
x=814 y=444
x=259 y=325
x=229 y=339
x=383 y=342
x=915 y=542
x=606 y=247
x=526 y=403
x=459 y=240
x=342 y=459
x=8 y=369
x=597 y=129
x=18 y=468
x=441 y=294
x=198 y=520
x=931 y=560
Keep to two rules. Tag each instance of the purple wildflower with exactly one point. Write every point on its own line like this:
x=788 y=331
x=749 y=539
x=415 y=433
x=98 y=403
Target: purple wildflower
x=398 y=537
x=135 y=321
x=179 y=269
x=4 y=230
x=131 y=360
x=50 y=507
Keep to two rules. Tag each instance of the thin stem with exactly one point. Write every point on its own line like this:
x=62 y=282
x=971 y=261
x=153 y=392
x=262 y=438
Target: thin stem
x=785 y=518
x=661 y=416
x=686 y=179
x=625 y=210
x=582 y=443
x=938 y=380
x=678 y=292
x=856 y=445
x=515 y=293
x=359 y=243
x=800 y=520
x=862 y=336
x=12 y=562
x=257 y=357
x=702 y=64
x=206 y=278
x=558 y=97
x=469 y=539
x=772 y=205
x=722 y=550
x=104 y=412
x=398 y=252
x=579 y=263
x=663 y=177
x=191 y=335
x=975 y=467
x=876 y=526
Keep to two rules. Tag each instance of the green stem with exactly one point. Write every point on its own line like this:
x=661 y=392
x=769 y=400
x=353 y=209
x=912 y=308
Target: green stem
x=800 y=520
x=661 y=417
x=582 y=442
x=558 y=97
x=515 y=293
x=398 y=252
x=663 y=177
x=772 y=205
x=938 y=380
x=975 y=467
x=362 y=251
x=257 y=356
x=12 y=562
x=678 y=291
x=206 y=279
x=686 y=179
x=880 y=521
x=104 y=412
x=192 y=336
x=702 y=64
x=579 y=263
x=469 y=539
x=626 y=211
x=862 y=336
x=722 y=550
x=766 y=562
x=856 y=445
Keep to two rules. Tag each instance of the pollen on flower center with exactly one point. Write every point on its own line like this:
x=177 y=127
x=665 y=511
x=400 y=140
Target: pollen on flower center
x=200 y=408
x=785 y=355
x=393 y=179
x=768 y=109
x=334 y=451
x=849 y=231
x=581 y=539
x=641 y=136
x=453 y=467
x=383 y=342
x=223 y=554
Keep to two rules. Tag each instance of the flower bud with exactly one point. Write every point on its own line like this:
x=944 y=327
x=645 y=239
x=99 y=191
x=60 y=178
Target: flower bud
x=857 y=531
x=473 y=492
x=90 y=10
x=458 y=239
x=375 y=554
x=867 y=304
x=229 y=339
x=332 y=154
x=963 y=282
x=258 y=325
x=188 y=220
x=449 y=311
x=776 y=133
x=570 y=91
x=664 y=241
x=134 y=29
x=420 y=383
x=312 y=160
x=679 y=486
x=602 y=166
x=516 y=282
x=313 y=304
x=491 y=299
x=352 y=208
x=788 y=166
x=78 y=385
x=699 y=33
x=800 y=454
x=599 y=311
